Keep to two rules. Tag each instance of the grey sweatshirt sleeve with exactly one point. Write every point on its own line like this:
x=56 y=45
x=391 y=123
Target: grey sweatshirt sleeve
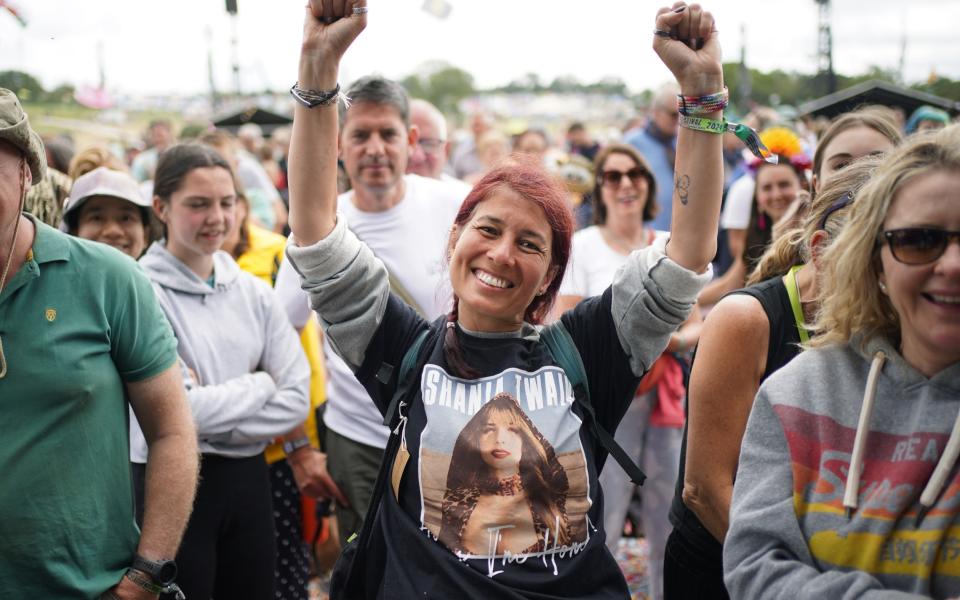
x=652 y=297
x=348 y=287
x=218 y=409
x=765 y=554
x=286 y=364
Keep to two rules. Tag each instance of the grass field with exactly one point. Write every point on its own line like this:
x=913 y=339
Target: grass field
x=89 y=126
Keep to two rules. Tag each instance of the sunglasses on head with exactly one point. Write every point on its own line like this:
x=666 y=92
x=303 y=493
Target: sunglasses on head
x=919 y=245
x=613 y=177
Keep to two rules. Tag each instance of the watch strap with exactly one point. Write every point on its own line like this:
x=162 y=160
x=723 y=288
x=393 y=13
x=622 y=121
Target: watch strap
x=152 y=587
x=291 y=446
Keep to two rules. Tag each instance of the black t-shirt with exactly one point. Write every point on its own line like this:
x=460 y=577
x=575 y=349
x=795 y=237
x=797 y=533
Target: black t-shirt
x=500 y=497
x=784 y=344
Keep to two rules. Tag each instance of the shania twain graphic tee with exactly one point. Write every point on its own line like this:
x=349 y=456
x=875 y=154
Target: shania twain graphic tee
x=499 y=498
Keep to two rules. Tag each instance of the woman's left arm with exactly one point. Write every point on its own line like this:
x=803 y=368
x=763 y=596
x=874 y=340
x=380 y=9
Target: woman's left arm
x=692 y=54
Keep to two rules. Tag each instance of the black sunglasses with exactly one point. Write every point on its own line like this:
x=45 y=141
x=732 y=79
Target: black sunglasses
x=613 y=178
x=919 y=245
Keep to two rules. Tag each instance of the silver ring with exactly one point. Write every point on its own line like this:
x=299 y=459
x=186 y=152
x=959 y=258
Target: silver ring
x=662 y=33
x=359 y=10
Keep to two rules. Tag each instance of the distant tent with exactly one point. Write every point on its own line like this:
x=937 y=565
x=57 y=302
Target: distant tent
x=267 y=120
x=875 y=92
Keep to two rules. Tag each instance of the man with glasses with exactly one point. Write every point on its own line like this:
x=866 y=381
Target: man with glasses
x=429 y=155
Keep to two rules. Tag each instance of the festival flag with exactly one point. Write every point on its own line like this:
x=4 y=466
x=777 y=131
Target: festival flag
x=14 y=11
x=438 y=8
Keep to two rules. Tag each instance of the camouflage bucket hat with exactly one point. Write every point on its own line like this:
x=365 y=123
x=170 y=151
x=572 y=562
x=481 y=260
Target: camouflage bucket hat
x=15 y=129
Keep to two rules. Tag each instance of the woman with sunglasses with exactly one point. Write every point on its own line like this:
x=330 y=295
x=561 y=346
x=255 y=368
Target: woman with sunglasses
x=651 y=430
x=846 y=484
x=747 y=337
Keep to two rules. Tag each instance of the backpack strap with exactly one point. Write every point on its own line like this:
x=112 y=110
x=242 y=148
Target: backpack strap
x=404 y=378
x=565 y=352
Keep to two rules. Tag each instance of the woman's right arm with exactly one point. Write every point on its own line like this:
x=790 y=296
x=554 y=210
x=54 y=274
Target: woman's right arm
x=347 y=284
x=328 y=30
x=731 y=358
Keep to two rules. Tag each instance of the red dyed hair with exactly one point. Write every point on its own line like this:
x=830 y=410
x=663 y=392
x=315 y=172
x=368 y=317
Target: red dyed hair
x=535 y=185
x=531 y=182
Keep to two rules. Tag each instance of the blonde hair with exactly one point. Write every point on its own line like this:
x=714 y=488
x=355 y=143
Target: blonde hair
x=793 y=246
x=851 y=302
x=92 y=158
x=878 y=118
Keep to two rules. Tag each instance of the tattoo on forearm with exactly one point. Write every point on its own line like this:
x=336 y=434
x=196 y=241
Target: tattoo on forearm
x=682 y=185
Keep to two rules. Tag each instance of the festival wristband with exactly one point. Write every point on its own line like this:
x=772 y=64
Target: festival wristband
x=746 y=135
x=703 y=105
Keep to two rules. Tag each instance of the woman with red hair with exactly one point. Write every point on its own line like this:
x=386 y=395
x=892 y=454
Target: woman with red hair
x=507 y=252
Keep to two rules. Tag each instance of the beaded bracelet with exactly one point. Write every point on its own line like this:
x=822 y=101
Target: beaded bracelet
x=703 y=105
x=312 y=98
x=746 y=135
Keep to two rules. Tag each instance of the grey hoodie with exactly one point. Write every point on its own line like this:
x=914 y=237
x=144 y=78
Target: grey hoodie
x=789 y=535
x=253 y=376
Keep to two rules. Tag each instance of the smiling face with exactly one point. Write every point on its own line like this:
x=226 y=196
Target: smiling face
x=626 y=200
x=777 y=187
x=375 y=145
x=501 y=443
x=198 y=216
x=846 y=147
x=500 y=261
x=115 y=222
x=926 y=297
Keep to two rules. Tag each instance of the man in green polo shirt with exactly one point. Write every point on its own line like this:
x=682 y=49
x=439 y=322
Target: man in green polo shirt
x=81 y=335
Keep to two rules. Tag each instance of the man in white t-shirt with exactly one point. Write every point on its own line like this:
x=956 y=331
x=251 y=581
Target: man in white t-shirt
x=405 y=220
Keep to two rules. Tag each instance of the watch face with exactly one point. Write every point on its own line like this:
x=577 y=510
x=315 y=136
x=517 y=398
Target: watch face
x=167 y=572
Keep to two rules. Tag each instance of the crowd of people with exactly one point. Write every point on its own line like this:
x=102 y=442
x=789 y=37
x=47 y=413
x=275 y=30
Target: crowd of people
x=471 y=366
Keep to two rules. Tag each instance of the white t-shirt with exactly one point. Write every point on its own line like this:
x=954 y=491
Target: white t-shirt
x=411 y=239
x=736 y=210
x=593 y=263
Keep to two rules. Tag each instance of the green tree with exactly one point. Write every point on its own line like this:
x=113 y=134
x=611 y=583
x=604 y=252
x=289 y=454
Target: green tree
x=24 y=85
x=441 y=84
x=941 y=86
x=62 y=94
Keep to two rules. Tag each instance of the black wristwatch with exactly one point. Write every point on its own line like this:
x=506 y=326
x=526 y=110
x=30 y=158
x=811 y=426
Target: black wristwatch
x=163 y=571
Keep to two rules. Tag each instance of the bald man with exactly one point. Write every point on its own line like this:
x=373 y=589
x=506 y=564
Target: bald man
x=429 y=155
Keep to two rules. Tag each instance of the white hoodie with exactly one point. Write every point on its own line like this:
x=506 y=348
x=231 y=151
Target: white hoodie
x=253 y=377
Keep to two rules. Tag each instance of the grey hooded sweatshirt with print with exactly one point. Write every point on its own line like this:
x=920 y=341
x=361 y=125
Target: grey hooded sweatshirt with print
x=791 y=534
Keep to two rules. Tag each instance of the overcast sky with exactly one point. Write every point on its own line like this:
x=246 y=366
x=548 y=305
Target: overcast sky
x=161 y=46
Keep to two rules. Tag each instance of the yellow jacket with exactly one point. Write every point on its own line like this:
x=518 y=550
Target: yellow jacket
x=262 y=259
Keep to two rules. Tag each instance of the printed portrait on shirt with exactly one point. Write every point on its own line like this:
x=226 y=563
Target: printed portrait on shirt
x=502 y=468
